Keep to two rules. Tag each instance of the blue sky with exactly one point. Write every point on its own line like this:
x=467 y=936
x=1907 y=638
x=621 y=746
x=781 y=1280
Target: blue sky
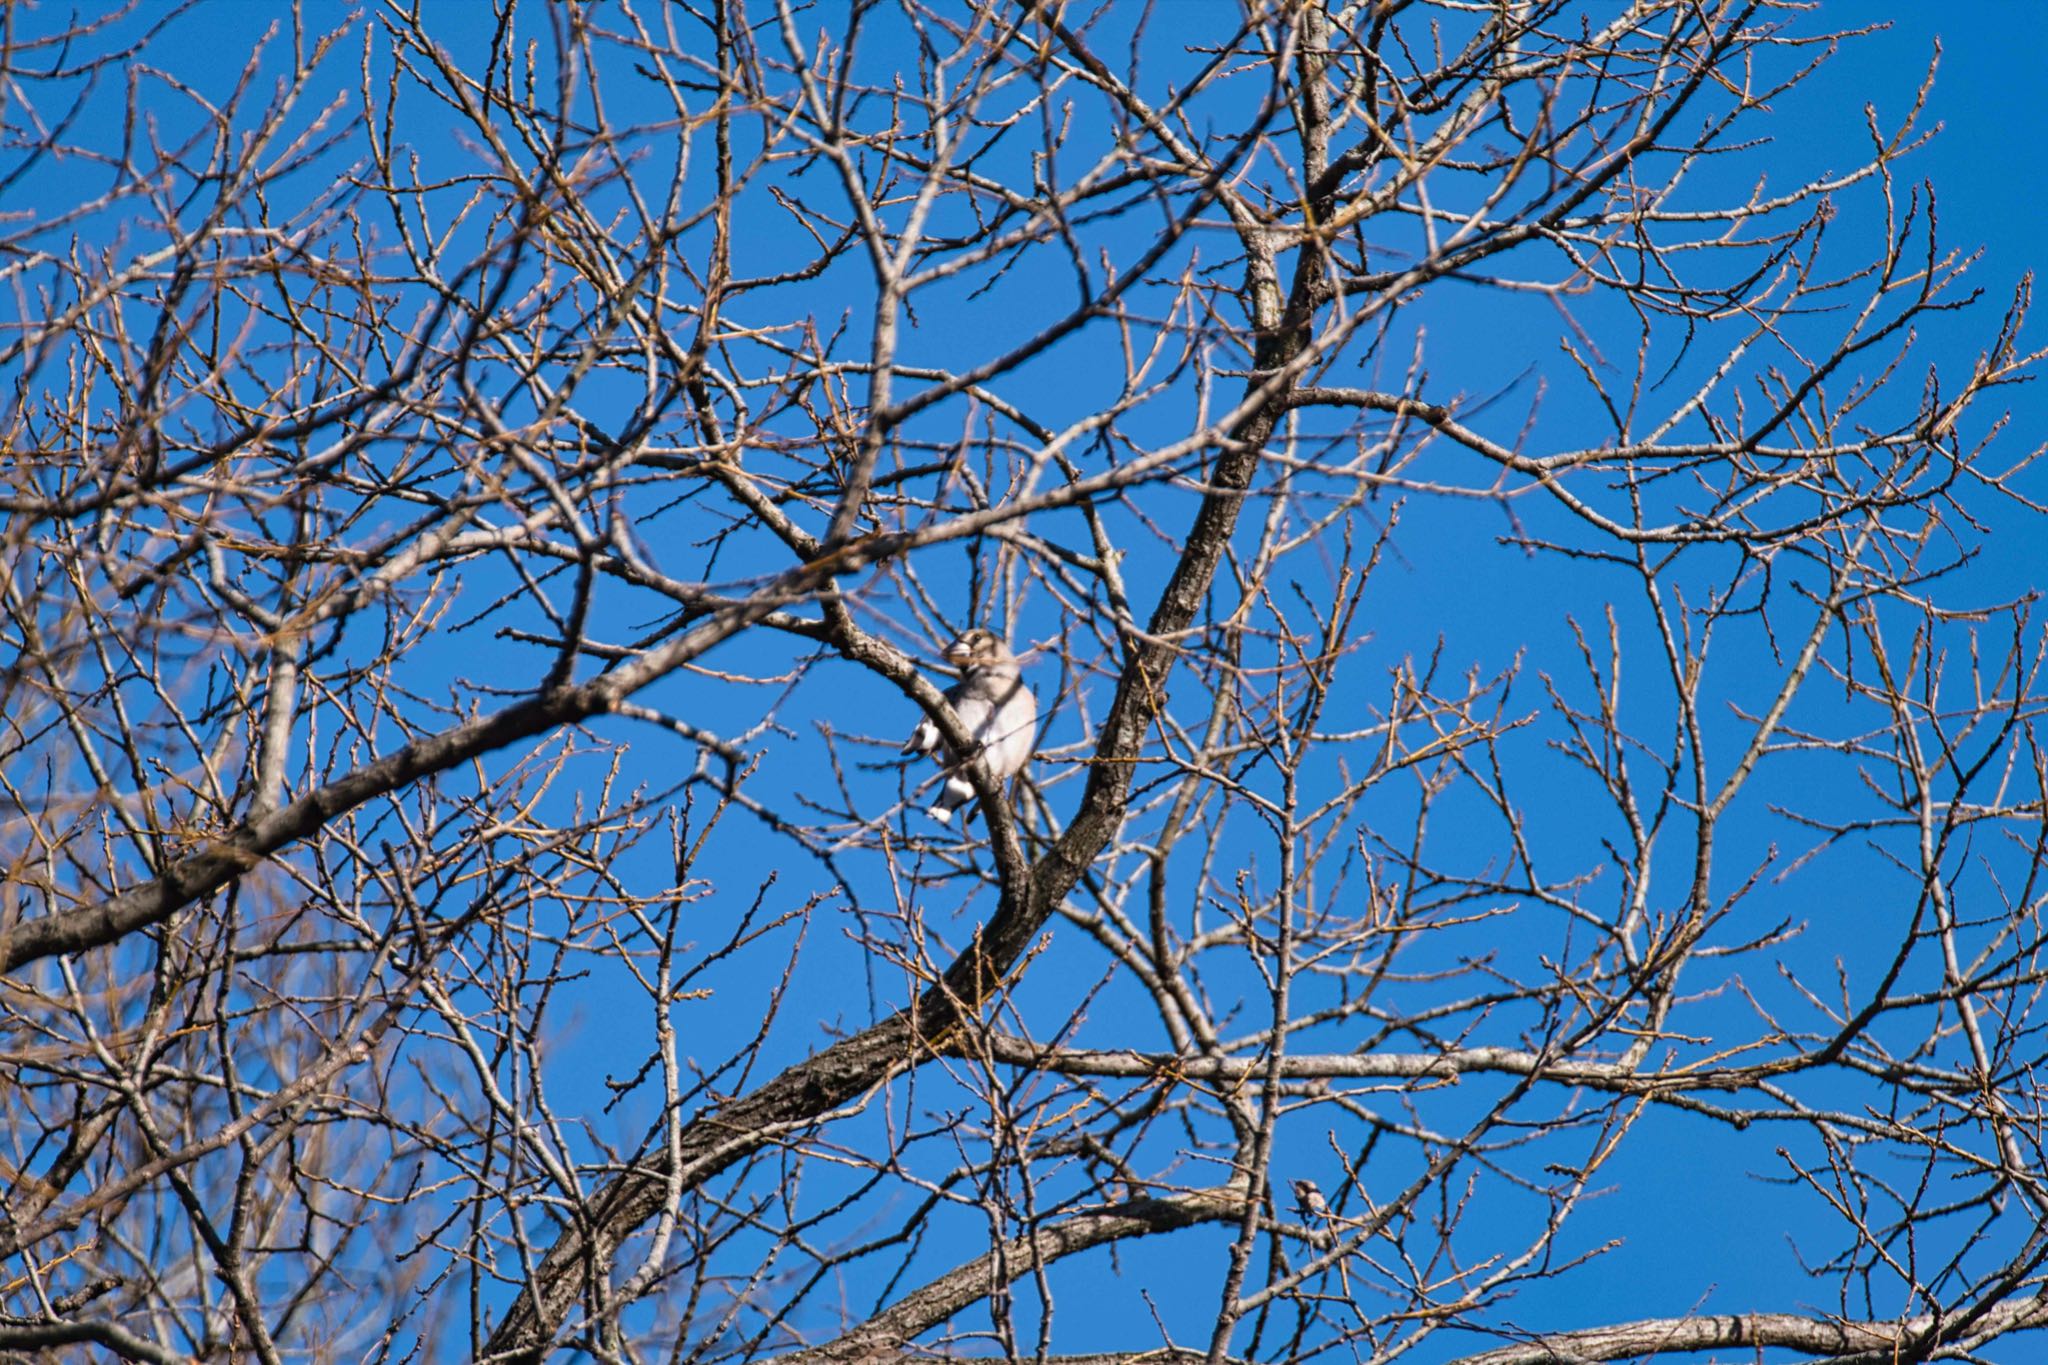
x=1683 y=1192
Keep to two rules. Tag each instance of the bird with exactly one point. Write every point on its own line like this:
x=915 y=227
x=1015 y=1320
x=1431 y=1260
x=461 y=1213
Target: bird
x=1309 y=1202
x=995 y=708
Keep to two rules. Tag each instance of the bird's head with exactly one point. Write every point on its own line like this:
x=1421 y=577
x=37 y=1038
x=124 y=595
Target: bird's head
x=977 y=648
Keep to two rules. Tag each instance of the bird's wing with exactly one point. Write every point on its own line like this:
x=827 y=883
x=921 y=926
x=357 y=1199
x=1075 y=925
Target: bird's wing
x=968 y=702
x=923 y=739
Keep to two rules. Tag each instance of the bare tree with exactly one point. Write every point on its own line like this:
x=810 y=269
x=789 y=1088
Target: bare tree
x=483 y=508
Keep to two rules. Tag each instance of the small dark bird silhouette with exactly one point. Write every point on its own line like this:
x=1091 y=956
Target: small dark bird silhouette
x=995 y=708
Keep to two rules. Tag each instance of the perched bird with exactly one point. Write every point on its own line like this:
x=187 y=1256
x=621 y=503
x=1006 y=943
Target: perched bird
x=1309 y=1202
x=995 y=708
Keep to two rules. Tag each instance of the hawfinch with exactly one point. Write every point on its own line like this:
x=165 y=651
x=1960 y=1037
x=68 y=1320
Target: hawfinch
x=995 y=708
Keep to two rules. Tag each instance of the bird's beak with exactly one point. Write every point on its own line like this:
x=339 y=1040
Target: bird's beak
x=956 y=653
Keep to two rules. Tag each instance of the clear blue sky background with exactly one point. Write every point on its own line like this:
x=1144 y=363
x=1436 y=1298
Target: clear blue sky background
x=1991 y=99
x=1678 y=1214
